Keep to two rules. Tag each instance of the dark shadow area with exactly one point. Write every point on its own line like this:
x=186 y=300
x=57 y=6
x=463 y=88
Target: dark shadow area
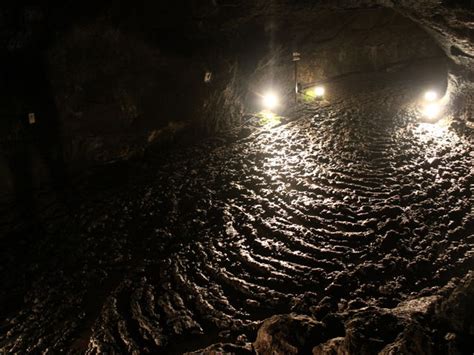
x=31 y=130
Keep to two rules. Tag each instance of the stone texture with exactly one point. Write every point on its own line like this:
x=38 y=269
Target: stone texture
x=288 y=334
x=224 y=349
x=335 y=346
x=352 y=216
x=457 y=309
x=409 y=327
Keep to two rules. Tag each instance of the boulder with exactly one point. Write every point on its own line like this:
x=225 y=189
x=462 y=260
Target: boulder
x=289 y=334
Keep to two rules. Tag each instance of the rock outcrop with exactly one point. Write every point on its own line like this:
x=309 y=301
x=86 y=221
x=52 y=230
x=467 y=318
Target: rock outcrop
x=441 y=323
x=288 y=334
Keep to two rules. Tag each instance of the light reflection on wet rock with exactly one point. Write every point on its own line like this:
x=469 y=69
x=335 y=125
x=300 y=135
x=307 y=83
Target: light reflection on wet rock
x=340 y=209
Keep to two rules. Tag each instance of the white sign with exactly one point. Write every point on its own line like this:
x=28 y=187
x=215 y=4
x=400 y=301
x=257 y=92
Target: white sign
x=296 y=56
x=208 y=77
x=31 y=118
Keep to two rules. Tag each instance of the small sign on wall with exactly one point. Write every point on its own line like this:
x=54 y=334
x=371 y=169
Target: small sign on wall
x=207 y=77
x=31 y=118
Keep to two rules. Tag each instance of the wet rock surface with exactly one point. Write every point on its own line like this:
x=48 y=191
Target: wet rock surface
x=336 y=217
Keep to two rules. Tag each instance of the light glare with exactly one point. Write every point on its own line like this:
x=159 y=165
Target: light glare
x=270 y=100
x=319 y=91
x=432 y=111
x=431 y=96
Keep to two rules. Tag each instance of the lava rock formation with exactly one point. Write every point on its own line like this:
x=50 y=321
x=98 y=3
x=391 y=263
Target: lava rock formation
x=187 y=221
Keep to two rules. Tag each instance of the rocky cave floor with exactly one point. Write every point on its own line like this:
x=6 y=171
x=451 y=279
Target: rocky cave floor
x=353 y=221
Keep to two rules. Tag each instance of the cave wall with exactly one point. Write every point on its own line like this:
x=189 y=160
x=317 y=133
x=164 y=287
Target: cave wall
x=447 y=22
x=337 y=43
x=116 y=93
x=450 y=23
x=364 y=41
x=123 y=79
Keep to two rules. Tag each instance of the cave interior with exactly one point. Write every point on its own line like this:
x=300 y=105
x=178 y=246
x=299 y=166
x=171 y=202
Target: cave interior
x=237 y=176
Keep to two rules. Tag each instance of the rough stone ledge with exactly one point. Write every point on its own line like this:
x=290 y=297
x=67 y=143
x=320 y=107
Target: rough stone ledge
x=440 y=323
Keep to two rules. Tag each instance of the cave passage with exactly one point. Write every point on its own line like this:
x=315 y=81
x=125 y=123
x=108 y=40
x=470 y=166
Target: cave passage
x=339 y=223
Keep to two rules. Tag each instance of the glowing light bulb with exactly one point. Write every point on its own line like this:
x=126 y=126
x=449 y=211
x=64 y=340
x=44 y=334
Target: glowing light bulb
x=319 y=91
x=431 y=96
x=270 y=100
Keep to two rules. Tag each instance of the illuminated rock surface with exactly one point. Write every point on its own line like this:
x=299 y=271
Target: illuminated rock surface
x=338 y=215
x=342 y=226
